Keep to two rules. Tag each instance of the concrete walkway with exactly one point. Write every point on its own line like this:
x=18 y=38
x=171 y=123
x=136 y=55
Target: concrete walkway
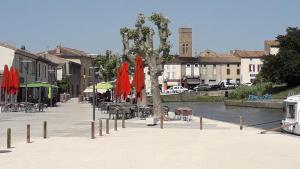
x=180 y=145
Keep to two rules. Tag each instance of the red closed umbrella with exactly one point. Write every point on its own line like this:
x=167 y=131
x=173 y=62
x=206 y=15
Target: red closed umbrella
x=125 y=87
x=138 y=79
x=12 y=88
x=5 y=79
x=118 y=83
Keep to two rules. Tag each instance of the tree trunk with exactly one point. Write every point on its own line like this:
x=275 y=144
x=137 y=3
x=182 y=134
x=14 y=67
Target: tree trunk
x=155 y=90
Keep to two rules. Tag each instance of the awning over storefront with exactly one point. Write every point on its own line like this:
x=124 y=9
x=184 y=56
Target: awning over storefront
x=38 y=84
x=193 y=81
x=172 y=83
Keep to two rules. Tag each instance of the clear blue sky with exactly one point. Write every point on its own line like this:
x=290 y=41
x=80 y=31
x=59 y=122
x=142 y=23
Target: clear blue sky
x=93 y=25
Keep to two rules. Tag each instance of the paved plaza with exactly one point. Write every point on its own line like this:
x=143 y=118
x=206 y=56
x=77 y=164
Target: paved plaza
x=180 y=145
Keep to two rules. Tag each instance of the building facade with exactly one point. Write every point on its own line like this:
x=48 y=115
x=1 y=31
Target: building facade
x=218 y=67
x=271 y=47
x=251 y=63
x=32 y=68
x=78 y=71
x=185 y=42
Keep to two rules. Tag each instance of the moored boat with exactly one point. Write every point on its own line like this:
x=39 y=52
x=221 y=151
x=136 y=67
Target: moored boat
x=291 y=108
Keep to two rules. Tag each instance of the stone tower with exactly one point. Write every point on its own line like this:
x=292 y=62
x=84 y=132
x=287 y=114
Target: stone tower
x=185 y=42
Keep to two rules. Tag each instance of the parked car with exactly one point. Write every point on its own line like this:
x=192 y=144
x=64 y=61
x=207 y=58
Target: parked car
x=202 y=87
x=247 y=84
x=177 y=89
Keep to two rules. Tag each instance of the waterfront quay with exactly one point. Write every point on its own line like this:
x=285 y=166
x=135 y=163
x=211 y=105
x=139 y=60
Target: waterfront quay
x=181 y=144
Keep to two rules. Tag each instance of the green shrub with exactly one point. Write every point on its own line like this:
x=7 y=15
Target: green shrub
x=243 y=92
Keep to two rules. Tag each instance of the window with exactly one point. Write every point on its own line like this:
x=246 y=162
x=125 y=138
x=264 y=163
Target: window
x=258 y=67
x=238 y=71
x=39 y=74
x=228 y=65
x=238 y=65
x=215 y=65
x=250 y=68
x=33 y=68
x=253 y=68
x=188 y=65
x=45 y=71
x=20 y=65
x=196 y=65
x=204 y=65
x=228 y=71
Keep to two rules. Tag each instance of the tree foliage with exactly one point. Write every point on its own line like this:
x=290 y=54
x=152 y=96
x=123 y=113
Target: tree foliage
x=285 y=66
x=107 y=64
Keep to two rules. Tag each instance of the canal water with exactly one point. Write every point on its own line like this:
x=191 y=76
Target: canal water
x=255 y=117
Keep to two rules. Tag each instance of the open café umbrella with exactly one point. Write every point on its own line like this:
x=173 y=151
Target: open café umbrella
x=125 y=87
x=104 y=85
x=5 y=80
x=12 y=78
x=138 y=79
x=118 y=83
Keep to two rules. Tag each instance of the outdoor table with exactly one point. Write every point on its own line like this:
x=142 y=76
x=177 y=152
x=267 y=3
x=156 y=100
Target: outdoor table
x=185 y=113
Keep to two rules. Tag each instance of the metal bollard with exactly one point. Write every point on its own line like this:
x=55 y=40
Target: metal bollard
x=28 y=134
x=161 y=121
x=8 y=138
x=107 y=126
x=201 y=123
x=100 y=127
x=241 y=122
x=92 y=130
x=123 y=121
x=116 y=124
x=45 y=130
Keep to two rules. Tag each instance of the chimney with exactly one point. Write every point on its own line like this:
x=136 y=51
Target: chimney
x=58 y=49
x=23 y=47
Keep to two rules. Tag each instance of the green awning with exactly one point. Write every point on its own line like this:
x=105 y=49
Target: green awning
x=38 y=84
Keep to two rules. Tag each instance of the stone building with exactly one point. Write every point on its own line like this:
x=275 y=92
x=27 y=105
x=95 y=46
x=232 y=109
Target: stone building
x=271 y=47
x=32 y=68
x=79 y=72
x=251 y=63
x=185 y=42
x=216 y=67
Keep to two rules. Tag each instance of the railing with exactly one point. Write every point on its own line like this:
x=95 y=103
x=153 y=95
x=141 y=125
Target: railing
x=260 y=98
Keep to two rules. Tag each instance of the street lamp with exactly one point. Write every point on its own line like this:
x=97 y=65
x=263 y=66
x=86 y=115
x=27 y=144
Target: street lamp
x=26 y=77
x=51 y=71
x=94 y=92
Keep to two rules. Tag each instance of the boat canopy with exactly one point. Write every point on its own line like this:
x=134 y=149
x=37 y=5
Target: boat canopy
x=38 y=84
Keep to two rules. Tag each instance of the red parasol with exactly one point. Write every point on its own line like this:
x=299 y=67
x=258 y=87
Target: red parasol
x=125 y=87
x=118 y=83
x=12 y=88
x=138 y=79
x=17 y=80
x=5 y=79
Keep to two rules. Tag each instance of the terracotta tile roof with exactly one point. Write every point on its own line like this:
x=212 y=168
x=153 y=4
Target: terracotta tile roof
x=273 y=43
x=64 y=51
x=22 y=51
x=182 y=59
x=219 y=58
x=52 y=58
x=249 y=54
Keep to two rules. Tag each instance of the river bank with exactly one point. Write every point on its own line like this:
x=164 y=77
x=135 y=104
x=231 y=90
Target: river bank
x=270 y=104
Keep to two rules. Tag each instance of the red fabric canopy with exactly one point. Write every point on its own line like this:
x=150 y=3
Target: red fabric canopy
x=5 y=79
x=118 y=83
x=12 y=78
x=138 y=79
x=125 y=88
x=17 y=80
